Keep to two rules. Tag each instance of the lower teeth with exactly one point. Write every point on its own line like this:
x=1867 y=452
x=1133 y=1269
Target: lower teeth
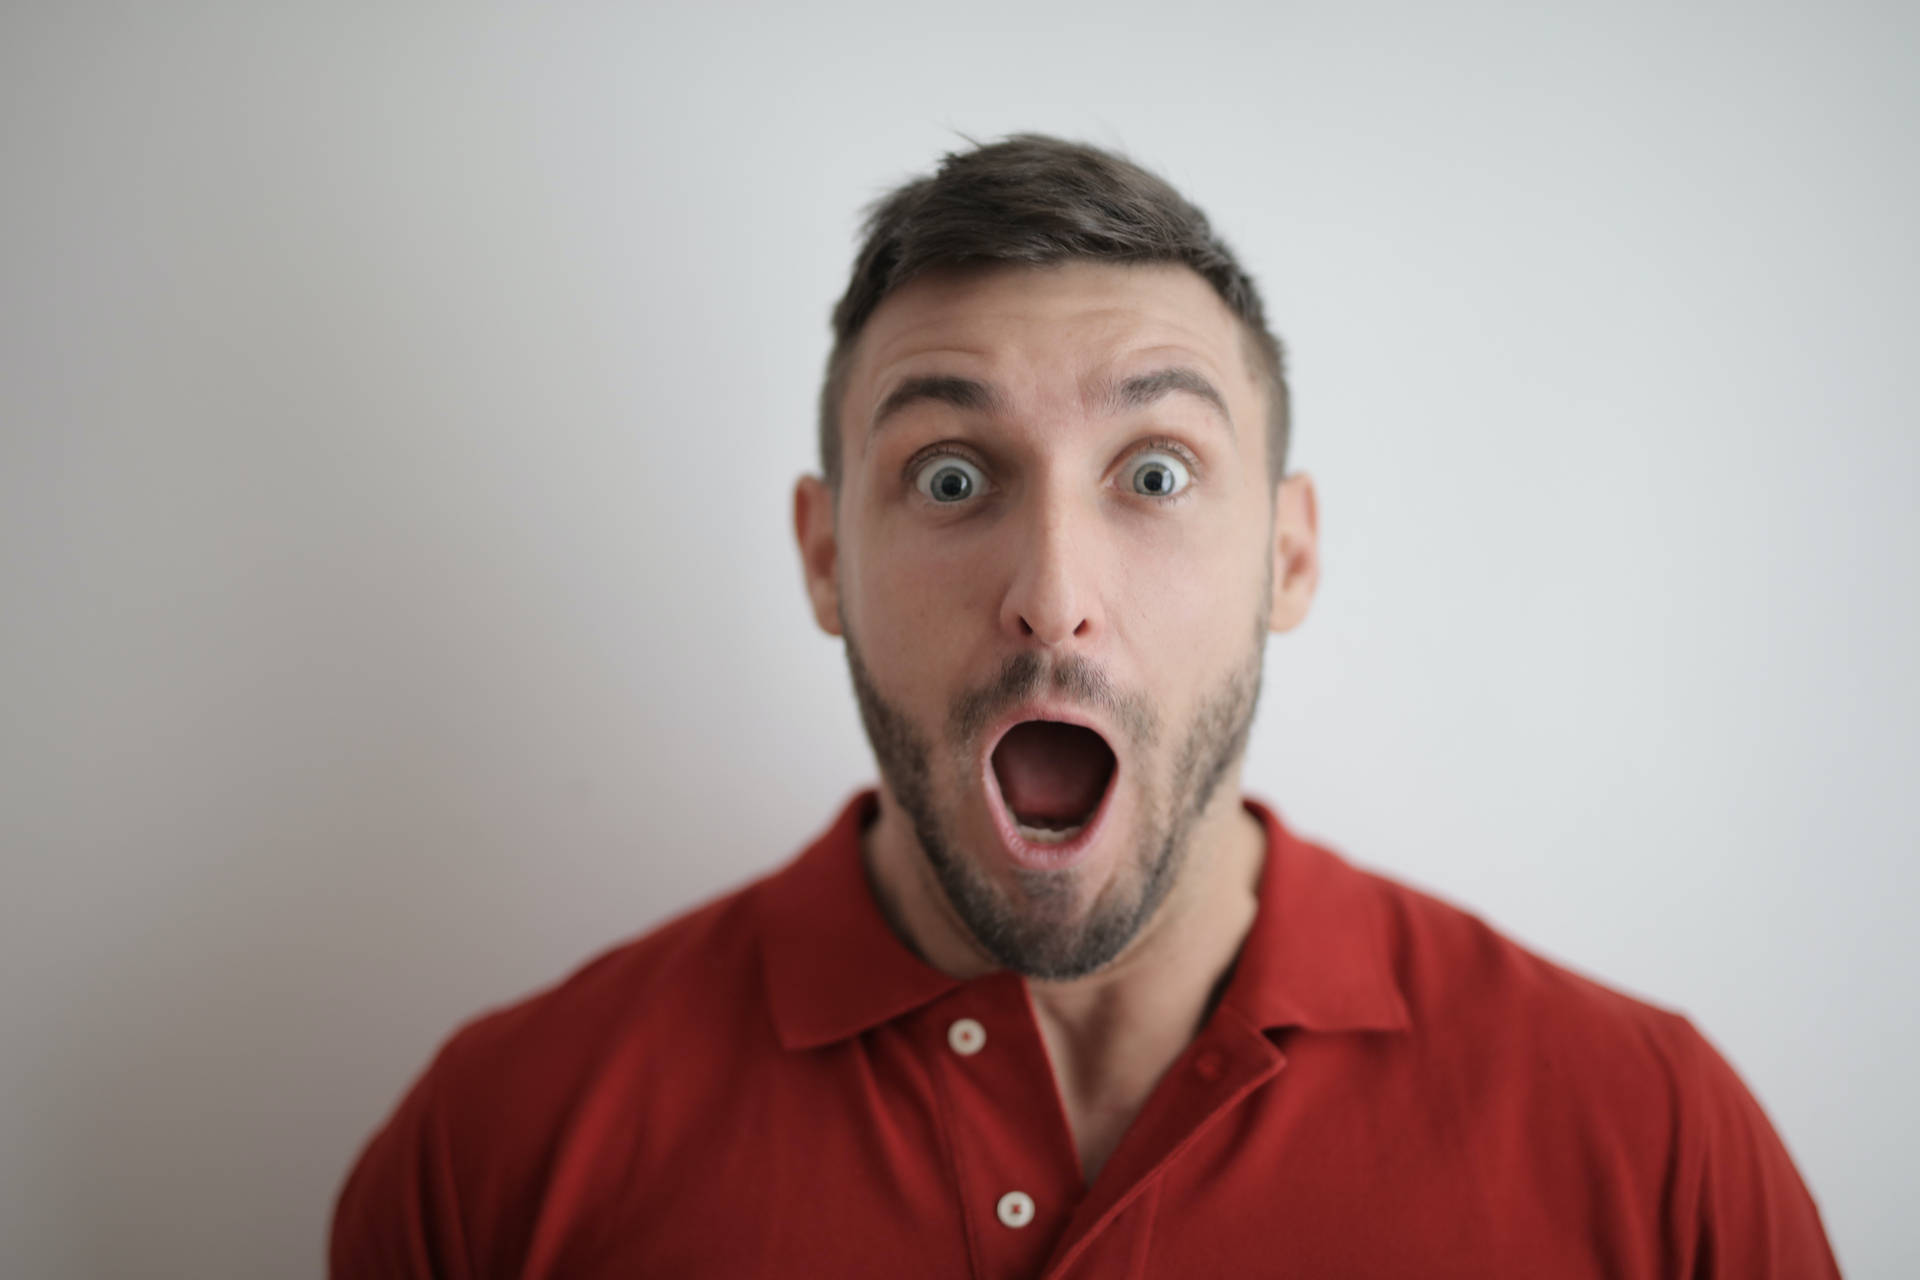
x=1047 y=835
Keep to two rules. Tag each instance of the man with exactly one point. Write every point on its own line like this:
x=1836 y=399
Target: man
x=1056 y=1000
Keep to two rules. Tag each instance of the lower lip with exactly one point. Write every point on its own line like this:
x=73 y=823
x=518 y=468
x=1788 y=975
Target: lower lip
x=1046 y=857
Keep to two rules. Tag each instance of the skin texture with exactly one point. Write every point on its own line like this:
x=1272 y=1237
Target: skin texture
x=1056 y=578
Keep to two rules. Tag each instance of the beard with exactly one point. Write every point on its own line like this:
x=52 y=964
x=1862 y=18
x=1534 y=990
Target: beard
x=1040 y=929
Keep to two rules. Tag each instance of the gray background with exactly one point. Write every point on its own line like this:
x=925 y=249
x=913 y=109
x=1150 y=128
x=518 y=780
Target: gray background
x=400 y=409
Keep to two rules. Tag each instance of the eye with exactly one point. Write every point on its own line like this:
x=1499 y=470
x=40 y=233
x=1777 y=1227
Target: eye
x=947 y=480
x=1159 y=474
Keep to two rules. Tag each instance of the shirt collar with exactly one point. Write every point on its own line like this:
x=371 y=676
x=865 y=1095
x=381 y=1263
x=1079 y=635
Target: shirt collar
x=1315 y=958
x=1318 y=954
x=834 y=966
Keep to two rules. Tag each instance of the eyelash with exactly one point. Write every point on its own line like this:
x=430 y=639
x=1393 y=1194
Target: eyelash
x=1155 y=444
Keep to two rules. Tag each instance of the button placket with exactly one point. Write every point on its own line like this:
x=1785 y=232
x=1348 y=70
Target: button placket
x=1015 y=1168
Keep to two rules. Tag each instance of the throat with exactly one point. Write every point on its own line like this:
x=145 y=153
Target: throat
x=1104 y=1082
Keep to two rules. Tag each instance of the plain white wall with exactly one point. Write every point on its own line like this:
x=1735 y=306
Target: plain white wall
x=400 y=408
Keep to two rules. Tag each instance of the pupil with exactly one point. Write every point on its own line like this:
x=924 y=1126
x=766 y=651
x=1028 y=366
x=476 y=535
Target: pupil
x=1153 y=481
x=952 y=484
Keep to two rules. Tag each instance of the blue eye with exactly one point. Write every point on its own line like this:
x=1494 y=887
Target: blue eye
x=948 y=480
x=1160 y=475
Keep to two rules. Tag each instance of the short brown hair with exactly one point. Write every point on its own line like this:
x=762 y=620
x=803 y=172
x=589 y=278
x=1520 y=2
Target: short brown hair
x=1036 y=200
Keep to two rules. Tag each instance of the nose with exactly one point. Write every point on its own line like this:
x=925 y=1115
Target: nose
x=1052 y=596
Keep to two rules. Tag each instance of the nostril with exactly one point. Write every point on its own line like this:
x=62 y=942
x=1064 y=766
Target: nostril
x=1079 y=628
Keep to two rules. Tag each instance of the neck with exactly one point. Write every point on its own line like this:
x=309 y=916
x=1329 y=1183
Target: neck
x=1113 y=1033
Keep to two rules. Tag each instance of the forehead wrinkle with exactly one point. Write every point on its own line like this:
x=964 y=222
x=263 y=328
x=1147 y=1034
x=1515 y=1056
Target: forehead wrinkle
x=1043 y=355
x=1007 y=383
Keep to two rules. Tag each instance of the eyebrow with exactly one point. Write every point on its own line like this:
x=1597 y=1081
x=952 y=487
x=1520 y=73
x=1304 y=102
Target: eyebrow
x=974 y=396
x=1141 y=391
x=941 y=388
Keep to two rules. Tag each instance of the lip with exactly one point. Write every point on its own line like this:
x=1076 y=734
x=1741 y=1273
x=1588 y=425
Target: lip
x=1023 y=852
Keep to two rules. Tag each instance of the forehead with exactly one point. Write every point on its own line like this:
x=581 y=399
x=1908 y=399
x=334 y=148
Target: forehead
x=1044 y=330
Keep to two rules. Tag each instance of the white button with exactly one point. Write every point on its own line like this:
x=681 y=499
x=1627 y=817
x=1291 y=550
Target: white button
x=967 y=1037
x=1016 y=1208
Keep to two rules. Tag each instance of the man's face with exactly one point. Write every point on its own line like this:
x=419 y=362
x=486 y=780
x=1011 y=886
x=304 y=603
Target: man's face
x=1052 y=559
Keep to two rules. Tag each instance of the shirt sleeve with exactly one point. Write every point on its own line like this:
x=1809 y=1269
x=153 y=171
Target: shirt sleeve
x=1751 y=1217
x=398 y=1214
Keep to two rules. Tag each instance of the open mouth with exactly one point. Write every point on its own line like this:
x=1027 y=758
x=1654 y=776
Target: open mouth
x=1052 y=778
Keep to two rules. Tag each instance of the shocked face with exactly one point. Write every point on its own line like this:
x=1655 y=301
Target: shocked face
x=1052 y=558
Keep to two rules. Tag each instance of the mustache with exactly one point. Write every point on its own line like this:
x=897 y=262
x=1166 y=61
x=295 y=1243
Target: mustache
x=1072 y=678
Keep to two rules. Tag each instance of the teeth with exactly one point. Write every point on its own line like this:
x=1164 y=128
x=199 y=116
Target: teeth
x=1047 y=835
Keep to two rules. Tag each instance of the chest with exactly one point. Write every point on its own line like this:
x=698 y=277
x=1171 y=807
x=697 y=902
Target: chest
x=941 y=1147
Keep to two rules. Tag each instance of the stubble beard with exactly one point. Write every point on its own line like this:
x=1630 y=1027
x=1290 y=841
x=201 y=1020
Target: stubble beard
x=1035 y=932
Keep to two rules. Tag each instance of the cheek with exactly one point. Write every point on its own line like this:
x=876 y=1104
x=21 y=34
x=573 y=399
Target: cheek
x=1193 y=631
x=918 y=592
x=1179 y=588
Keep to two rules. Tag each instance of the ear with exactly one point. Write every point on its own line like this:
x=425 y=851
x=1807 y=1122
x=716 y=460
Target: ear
x=813 y=529
x=1296 y=550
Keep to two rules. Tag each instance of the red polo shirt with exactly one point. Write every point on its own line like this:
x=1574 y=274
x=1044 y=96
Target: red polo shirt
x=773 y=1085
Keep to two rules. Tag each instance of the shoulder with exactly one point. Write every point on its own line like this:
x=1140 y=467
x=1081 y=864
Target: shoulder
x=1512 y=1053
x=1464 y=977
x=457 y=1171
x=668 y=979
x=1541 y=1069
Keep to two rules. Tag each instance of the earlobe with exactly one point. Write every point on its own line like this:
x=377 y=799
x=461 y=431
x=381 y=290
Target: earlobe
x=814 y=532
x=1296 y=551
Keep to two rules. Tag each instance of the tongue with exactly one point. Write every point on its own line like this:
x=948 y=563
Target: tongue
x=1052 y=774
